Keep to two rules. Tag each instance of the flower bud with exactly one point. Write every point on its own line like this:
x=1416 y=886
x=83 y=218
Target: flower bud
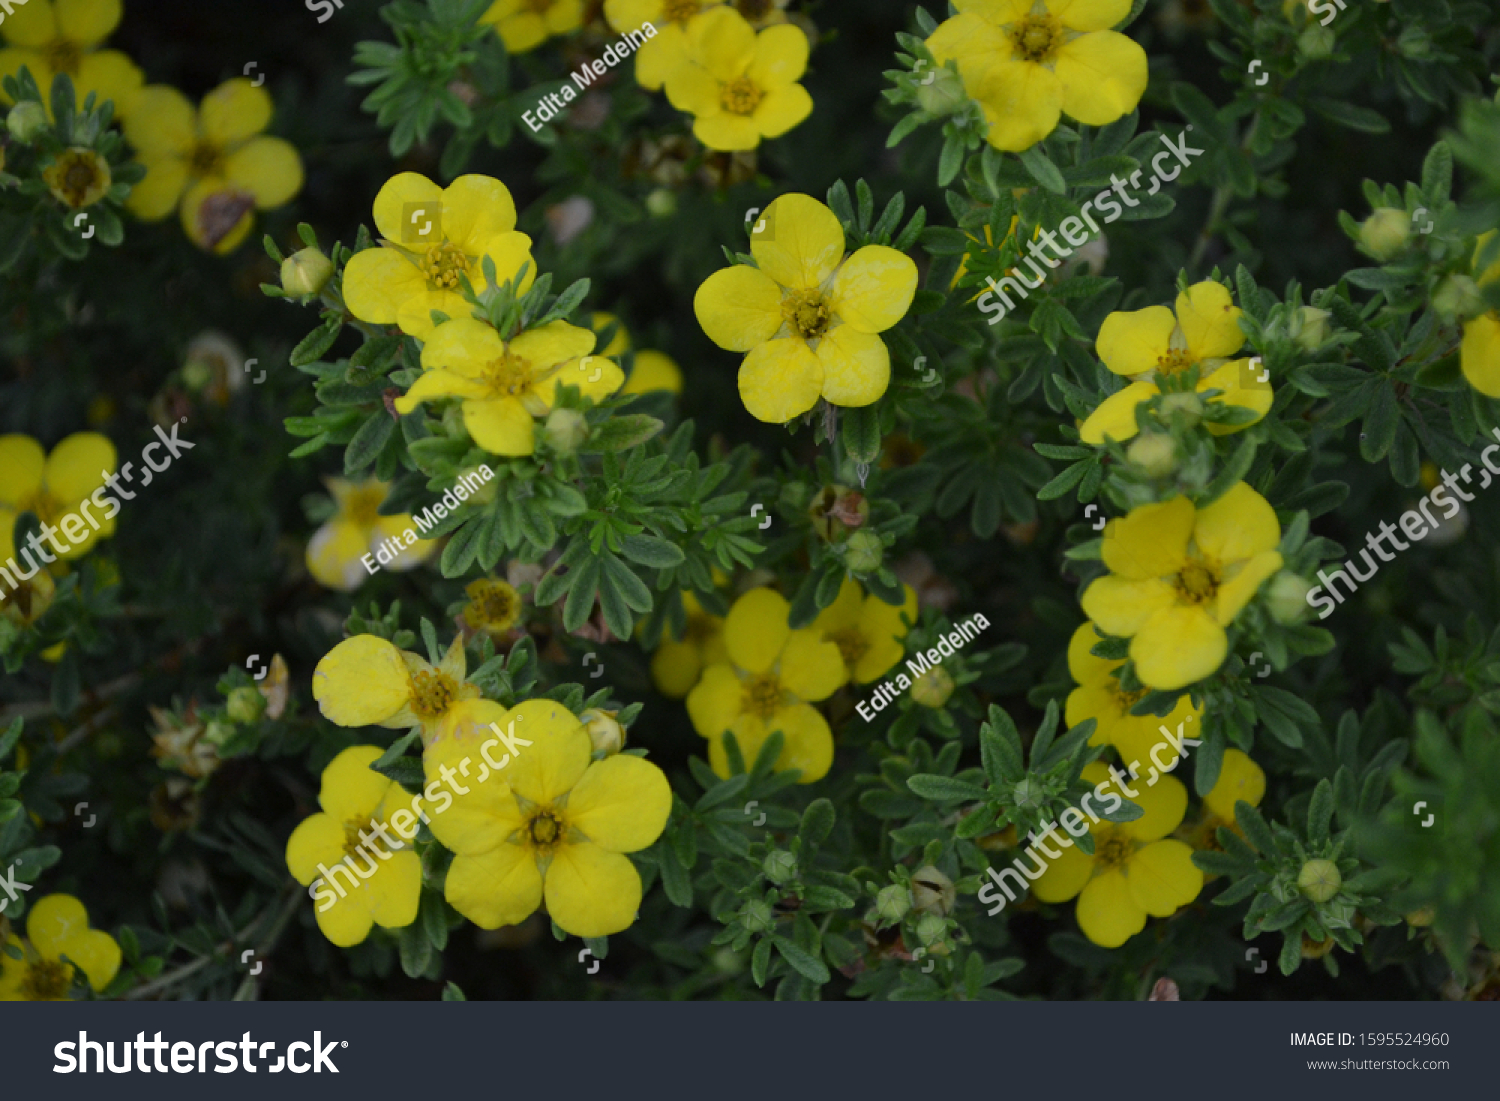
x=606 y=734
x=661 y=203
x=1028 y=794
x=932 y=891
x=930 y=929
x=1154 y=452
x=933 y=687
x=780 y=867
x=1385 y=233
x=865 y=552
x=24 y=120
x=757 y=917
x=566 y=429
x=1316 y=42
x=246 y=705
x=1185 y=402
x=893 y=903
x=1286 y=598
x=1310 y=328
x=1319 y=880
x=1458 y=297
x=305 y=273
x=218 y=732
x=940 y=93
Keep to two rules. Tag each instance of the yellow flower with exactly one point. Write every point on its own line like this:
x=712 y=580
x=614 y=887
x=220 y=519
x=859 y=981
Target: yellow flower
x=807 y=315
x=50 y=38
x=677 y=664
x=653 y=371
x=57 y=926
x=494 y=606
x=1136 y=869
x=867 y=630
x=552 y=826
x=525 y=24
x=740 y=86
x=78 y=177
x=503 y=385
x=213 y=165
x=1240 y=778
x=772 y=677
x=431 y=237
x=1150 y=344
x=60 y=489
x=1028 y=63
x=1178 y=577
x=336 y=550
x=355 y=830
x=1479 y=354
x=661 y=54
x=367 y=681
x=1098 y=697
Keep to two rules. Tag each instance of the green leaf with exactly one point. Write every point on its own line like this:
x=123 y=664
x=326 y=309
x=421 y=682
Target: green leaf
x=944 y=789
x=416 y=951
x=623 y=432
x=314 y=344
x=1043 y=171
x=817 y=822
x=368 y=442
x=862 y=433
x=650 y=551
x=805 y=964
x=451 y=993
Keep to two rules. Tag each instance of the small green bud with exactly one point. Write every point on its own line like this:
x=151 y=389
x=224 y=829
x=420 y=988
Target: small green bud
x=933 y=688
x=305 y=273
x=1458 y=297
x=566 y=429
x=218 y=731
x=893 y=903
x=1154 y=452
x=1028 y=794
x=939 y=93
x=931 y=928
x=864 y=552
x=24 y=120
x=604 y=731
x=196 y=375
x=932 y=891
x=246 y=705
x=757 y=917
x=1310 y=328
x=661 y=203
x=1319 y=880
x=780 y=867
x=1286 y=598
x=1185 y=402
x=1316 y=42
x=1385 y=233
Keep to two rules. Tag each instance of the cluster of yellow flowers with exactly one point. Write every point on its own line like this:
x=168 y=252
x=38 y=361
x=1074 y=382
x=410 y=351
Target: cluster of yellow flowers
x=1028 y=62
x=551 y=825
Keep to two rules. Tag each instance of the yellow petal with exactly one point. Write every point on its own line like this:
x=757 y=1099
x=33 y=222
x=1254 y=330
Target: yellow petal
x=501 y=427
x=811 y=668
x=1121 y=607
x=658 y=58
x=653 y=371
x=502 y=887
x=999 y=12
x=1238 y=525
x=1479 y=355
x=1022 y=102
x=1107 y=912
x=1150 y=541
x=23 y=462
x=781 y=109
x=727 y=133
x=404 y=195
x=1115 y=417
x=781 y=379
x=32 y=25
x=1210 y=320
x=565 y=16
x=77 y=466
x=1163 y=877
x=621 y=803
x=268 y=168
x=856 y=366
x=1162 y=804
x=162 y=121
x=845 y=610
x=53 y=922
x=548 y=768
x=415 y=314
x=628 y=15
x=592 y=892
x=156 y=195
x=318 y=839
x=1102 y=74
x=1240 y=589
x=803 y=245
x=350 y=788
x=1088 y=15
x=1085 y=667
x=333 y=555
x=675 y=668
x=714 y=702
x=1063 y=878
x=361 y=681
x=1240 y=778
x=347 y=921
x=395 y=890
x=111 y=75
x=235 y=111
x=475 y=209
x=208 y=234
x=86 y=23
x=552 y=344
x=1131 y=341
x=521 y=32
x=874 y=288
x=1241 y=386
x=974 y=40
x=377 y=282
x=808 y=743
x=97 y=956
x=738 y=307
x=723 y=43
x=780 y=56
x=755 y=629
x=1178 y=647
x=483 y=819
x=437 y=384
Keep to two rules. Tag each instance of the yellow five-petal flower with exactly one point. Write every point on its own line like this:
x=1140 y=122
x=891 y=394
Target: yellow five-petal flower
x=1098 y=697
x=367 y=681
x=525 y=24
x=57 y=926
x=60 y=37
x=661 y=54
x=867 y=630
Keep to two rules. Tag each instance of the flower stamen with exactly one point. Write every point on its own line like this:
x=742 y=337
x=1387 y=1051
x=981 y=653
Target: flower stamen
x=1036 y=38
x=46 y=981
x=443 y=264
x=432 y=693
x=763 y=695
x=741 y=96
x=806 y=314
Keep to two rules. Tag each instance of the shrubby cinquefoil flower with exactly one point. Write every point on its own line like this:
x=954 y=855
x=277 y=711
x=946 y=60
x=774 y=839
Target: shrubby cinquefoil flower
x=678 y=663
x=335 y=551
x=1098 y=697
x=50 y=37
x=808 y=315
x=660 y=56
x=525 y=24
x=367 y=681
x=57 y=926
x=1479 y=354
x=52 y=487
x=867 y=630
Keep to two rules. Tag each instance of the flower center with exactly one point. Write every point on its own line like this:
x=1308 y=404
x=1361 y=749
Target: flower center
x=64 y=57
x=510 y=376
x=1112 y=849
x=741 y=96
x=541 y=7
x=680 y=11
x=494 y=604
x=47 y=507
x=46 y=981
x=546 y=829
x=79 y=177
x=852 y=645
x=362 y=506
x=700 y=629
x=1197 y=582
x=353 y=842
x=1126 y=700
x=1178 y=359
x=1036 y=38
x=432 y=693
x=753 y=9
x=206 y=159
x=763 y=695
x=443 y=264
x=806 y=314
